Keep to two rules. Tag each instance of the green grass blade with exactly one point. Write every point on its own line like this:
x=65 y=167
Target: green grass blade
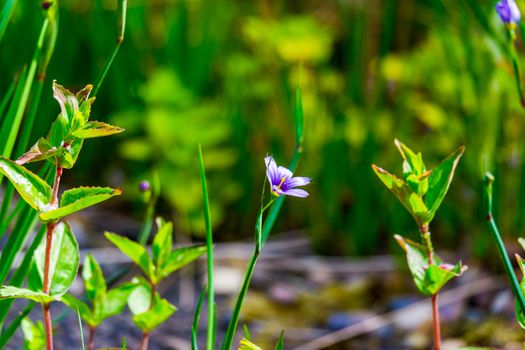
x=196 y=318
x=10 y=133
x=234 y=321
x=299 y=138
x=81 y=330
x=209 y=243
x=7 y=11
x=122 y=9
x=7 y=98
x=489 y=179
x=15 y=325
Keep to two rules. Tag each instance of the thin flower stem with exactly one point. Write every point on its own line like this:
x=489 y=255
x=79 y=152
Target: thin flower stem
x=518 y=294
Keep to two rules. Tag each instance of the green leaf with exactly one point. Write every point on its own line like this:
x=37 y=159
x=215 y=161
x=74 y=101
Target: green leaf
x=178 y=258
x=280 y=343
x=10 y=292
x=80 y=307
x=96 y=129
x=439 y=181
x=67 y=100
x=35 y=191
x=162 y=242
x=64 y=261
x=413 y=163
x=34 y=335
x=151 y=319
x=40 y=151
x=139 y=300
x=79 y=198
x=410 y=200
x=520 y=317
x=136 y=252
x=429 y=278
x=93 y=279
x=245 y=344
x=115 y=300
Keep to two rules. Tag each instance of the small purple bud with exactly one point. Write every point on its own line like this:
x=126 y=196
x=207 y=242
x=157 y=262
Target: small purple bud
x=46 y=4
x=144 y=186
x=508 y=11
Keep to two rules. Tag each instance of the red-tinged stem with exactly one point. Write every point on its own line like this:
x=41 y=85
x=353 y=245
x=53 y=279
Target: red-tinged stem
x=49 y=241
x=436 y=326
x=91 y=339
x=48 y=326
x=145 y=335
x=435 y=308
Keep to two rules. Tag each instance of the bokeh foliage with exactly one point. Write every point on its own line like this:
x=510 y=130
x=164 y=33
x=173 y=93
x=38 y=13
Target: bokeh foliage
x=222 y=73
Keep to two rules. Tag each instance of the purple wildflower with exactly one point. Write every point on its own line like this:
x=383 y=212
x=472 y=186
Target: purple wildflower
x=144 y=186
x=508 y=11
x=282 y=181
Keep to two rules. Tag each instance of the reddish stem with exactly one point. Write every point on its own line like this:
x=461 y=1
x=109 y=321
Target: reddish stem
x=145 y=335
x=436 y=326
x=49 y=241
x=48 y=326
x=435 y=308
x=91 y=340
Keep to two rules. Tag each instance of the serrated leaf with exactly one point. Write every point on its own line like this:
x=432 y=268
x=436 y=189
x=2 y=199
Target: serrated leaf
x=410 y=200
x=84 y=310
x=162 y=242
x=79 y=198
x=135 y=251
x=96 y=129
x=151 y=319
x=429 y=278
x=40 y=151
x=439 y=181
x=10 y=292
x=67 y=101
x=64 y=261
x=93 y=279
x=179 y=258
x=34 y=335
x=34 y=190
x=245 y=344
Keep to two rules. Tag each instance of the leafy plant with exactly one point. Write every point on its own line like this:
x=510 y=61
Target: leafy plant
x=421 y=192
x=104 y=303
x=56 y=258
x=146 y=304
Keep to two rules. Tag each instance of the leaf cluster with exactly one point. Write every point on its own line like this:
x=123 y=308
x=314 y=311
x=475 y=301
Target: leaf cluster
x=421 y=191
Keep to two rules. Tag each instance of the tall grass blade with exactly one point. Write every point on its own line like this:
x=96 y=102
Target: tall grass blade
x=488 y=181
x=6 y=13
x=7 y=98
x=196 y=318
x=209 y=244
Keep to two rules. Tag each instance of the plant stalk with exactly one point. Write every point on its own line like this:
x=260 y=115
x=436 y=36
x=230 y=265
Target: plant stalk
x=436 y=327
x=145 y=335
x=91 y=339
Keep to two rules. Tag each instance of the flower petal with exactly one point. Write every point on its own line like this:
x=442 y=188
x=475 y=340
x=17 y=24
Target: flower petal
x=296 y=193
x=272 y=171
x=296 y=181
x=284 y=172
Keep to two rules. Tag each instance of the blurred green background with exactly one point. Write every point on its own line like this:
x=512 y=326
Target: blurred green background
x=434 y=74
